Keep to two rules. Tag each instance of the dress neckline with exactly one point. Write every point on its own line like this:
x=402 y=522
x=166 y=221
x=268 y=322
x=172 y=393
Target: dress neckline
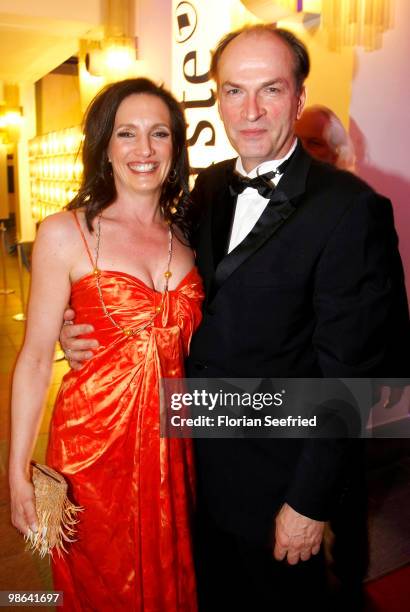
x=134 y=278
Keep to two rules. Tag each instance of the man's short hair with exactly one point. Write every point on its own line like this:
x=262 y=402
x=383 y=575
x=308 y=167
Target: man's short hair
x=298 y=49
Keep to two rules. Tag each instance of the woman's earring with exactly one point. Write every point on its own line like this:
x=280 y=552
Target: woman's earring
x=172 y=176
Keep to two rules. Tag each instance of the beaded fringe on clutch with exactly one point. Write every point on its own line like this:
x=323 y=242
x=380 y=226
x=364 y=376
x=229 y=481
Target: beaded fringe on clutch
x=57 y=515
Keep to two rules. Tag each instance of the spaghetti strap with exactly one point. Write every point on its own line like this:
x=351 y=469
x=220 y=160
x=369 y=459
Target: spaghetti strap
x=84 y=239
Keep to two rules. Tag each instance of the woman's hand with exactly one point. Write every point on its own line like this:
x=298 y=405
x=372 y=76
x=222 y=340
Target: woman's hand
x=23 y=510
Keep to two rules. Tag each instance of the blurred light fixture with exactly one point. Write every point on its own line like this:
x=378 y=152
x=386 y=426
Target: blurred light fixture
x=272 y=10
x=119 y=58
x=11 y=120
x=356 y=22
x=94 y=62
x=348 y=23
x=115 y=59
x=10 y=117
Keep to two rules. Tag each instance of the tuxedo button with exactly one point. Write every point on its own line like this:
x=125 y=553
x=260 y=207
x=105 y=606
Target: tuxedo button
x=200 y=366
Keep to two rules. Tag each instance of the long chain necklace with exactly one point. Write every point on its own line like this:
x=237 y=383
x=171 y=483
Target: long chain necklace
x=97 y=273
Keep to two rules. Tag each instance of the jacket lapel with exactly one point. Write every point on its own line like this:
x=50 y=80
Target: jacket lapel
x=279 y=209
x=222 y=217
x=213 y=196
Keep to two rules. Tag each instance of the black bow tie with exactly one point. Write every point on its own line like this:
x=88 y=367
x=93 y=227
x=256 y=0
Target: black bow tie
x=263 y=183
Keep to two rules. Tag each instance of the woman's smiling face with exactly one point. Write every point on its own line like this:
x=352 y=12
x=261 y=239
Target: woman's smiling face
x=140 y=147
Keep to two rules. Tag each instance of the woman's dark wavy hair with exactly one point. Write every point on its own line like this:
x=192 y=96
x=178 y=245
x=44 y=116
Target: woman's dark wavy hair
x=97 y=189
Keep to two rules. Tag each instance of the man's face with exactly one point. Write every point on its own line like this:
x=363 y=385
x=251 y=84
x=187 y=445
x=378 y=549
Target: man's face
x=258 y=100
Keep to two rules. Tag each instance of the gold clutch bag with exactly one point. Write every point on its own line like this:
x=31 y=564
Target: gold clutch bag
x=57 y=515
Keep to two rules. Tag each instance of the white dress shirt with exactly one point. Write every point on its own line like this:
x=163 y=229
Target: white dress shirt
x=250 y=204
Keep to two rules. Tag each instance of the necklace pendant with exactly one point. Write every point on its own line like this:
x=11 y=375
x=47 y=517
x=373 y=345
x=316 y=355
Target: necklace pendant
x=97 y=272
x=127 y=332
x=168 y=274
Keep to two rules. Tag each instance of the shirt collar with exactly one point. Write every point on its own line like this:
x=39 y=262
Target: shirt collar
x=267 y=166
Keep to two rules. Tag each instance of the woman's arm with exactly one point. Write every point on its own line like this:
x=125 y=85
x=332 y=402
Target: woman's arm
x=49 y=294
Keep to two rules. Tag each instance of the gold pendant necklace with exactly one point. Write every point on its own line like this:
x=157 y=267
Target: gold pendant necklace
x=97 y=274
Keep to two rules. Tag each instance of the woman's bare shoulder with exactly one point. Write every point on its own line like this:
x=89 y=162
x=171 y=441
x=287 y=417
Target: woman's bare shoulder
x=59 y=232
x=61 y=224
x=62 y=221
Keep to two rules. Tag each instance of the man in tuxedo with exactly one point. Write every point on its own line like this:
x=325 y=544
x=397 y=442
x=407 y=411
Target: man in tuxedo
x=303 y=279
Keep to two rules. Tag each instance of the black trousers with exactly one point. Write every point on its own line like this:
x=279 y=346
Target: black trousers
x=233 y=574
x=350 y=551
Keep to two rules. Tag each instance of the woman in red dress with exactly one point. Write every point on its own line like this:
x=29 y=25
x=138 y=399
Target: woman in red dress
x=120 y=258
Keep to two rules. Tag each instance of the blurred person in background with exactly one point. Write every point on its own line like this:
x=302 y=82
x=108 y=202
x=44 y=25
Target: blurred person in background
x=323 y=136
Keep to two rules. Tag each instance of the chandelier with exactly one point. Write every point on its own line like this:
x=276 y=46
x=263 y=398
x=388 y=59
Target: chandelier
x=358 y=23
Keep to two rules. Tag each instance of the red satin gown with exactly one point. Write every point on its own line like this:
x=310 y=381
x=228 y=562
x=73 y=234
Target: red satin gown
x=134 y=549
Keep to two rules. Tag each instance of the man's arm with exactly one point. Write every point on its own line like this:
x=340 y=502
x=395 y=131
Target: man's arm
x=362 y=330
x=77 y=350
x=360 y=302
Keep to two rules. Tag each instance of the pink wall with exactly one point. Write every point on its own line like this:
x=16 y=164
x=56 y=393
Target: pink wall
x=380 y=121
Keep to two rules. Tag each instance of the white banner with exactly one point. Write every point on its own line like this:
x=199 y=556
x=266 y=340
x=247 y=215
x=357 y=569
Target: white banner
x=197 y=27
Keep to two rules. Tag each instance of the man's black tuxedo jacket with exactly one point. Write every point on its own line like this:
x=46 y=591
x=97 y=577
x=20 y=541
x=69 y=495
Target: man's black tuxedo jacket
x=315 y=290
